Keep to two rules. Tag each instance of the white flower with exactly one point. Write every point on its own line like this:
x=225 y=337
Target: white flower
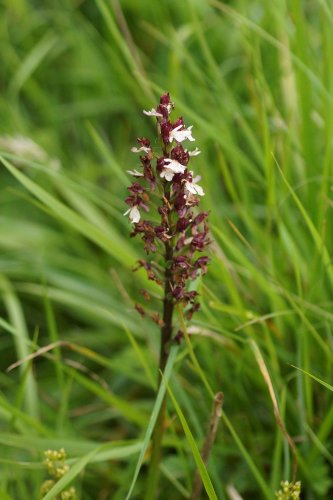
x=167 y=174
x=193 y=187
x=173 y=167
x=181 y=135
x=134 y=214
x=195 y=152
x=152 y=112
x=138 y=150
x=135 y=173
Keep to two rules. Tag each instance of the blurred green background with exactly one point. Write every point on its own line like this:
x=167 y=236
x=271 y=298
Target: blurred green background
x=255 y=79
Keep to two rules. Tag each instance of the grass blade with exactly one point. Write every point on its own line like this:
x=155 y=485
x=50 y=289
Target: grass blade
x=325 y=384
x=195 y=451
x=154 y=415
x=113 y=244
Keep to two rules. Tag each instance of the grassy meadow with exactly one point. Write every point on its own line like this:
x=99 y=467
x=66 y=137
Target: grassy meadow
x=255 y=79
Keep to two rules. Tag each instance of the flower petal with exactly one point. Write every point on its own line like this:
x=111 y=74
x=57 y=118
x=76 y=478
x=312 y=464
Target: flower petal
x=174 y=165
x=181 y=135
x=194 y=188
x=199 y=190
x=138 y=150
x=135 y=173
x=167 y=175
x=195 y=152
x=190 y=188
x=152 y=112
x=134 y=214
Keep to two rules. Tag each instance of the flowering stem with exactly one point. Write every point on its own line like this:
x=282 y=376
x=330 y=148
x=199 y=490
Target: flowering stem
x=180 y=232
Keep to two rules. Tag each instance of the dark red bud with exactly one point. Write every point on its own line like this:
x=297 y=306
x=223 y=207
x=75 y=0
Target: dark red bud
x=162 y=233
x=183 y=224
x=200 y=218
x=201 y=262
x=190 y=296
x=178 y=122
x=144 y=142
x=166 y=128
x=180 y=203
x=165 y=99
x=178 y=292
x=181 y=262
x=178 y=153
x=163 y=110
x=160 y=164
x=135 y=188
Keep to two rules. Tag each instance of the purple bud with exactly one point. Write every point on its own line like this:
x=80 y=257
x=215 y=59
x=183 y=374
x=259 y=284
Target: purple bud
x=166 y=128
x=178 y=153
x=165 y=99
x=179 y=122
x=199 y=241
x=162 y=233
x=144 y=142
x=190 y=296
x=178 y=292
x=200 y=218
x=201 y=262
x=135 y=188
x=181 y=262
x=183 y=223
x=148 y=174
x=160 y=164
x=180 y=203
x=163 y=110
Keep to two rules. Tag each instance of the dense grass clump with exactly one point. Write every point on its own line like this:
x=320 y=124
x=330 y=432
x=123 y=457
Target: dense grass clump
x=255 y=79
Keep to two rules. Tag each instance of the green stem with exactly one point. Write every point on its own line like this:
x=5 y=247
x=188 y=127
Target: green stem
x=166 y=335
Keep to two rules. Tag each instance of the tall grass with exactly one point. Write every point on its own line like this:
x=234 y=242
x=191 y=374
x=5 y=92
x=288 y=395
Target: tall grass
x=256 y=80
